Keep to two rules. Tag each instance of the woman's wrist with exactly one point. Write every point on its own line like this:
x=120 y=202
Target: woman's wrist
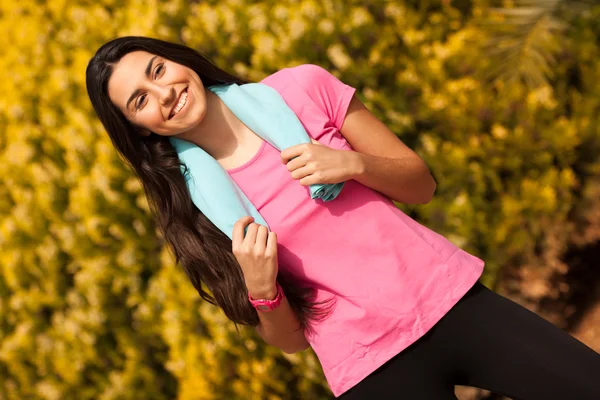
x=268 y=293
x=355 y=164
x=266 y=301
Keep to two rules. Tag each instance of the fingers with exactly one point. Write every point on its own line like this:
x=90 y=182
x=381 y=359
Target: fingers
x=250 y=238
x=296 y=163
x=293 y=152
x=248 y=233
x=237 y=236
x=271 y=250
x=256 y=254
x=261 y=237
x=302 y=172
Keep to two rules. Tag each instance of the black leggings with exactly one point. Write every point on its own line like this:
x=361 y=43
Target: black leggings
x=489 y=342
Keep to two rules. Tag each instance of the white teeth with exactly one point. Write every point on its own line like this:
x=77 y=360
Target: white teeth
x=182 y=101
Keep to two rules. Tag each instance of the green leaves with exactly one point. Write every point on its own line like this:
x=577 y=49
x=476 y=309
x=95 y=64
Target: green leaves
x=524 y=40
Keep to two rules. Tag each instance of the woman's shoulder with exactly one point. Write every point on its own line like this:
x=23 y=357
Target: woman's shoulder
x=313 y=83
x=304 y=75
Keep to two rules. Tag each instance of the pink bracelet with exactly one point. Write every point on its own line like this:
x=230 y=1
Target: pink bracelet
x=265 y=304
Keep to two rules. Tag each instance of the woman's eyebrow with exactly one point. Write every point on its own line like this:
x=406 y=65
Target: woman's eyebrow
x=137 y=91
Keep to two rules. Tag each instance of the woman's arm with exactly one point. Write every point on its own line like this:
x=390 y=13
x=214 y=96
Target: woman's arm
x=280 y=327
x=256 y=252
x=383 y=162
x=406 y=180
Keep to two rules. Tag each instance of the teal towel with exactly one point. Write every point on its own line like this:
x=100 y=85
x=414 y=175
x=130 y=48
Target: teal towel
x=263 y=110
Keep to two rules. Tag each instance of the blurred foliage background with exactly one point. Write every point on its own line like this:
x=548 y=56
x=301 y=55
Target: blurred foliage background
x=503 y=104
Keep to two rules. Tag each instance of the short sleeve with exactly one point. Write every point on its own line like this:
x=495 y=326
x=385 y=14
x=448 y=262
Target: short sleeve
x=330 y=94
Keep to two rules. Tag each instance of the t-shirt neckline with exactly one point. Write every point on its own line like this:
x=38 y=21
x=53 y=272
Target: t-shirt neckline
x=249 y=162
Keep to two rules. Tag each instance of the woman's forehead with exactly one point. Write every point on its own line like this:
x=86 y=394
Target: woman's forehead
x=125 y=75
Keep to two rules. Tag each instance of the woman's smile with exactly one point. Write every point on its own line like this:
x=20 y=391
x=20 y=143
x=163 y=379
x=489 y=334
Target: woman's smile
x=182 y=104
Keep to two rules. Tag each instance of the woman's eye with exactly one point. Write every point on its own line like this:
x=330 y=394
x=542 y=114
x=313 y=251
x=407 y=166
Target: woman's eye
x=140 y=101
x=160 y=68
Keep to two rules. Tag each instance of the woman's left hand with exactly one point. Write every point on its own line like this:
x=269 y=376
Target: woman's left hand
x=314 y=163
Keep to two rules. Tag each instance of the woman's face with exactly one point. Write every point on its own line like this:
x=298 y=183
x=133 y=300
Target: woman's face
x=156 y=94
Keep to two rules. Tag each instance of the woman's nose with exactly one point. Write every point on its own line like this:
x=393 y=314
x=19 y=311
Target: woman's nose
x=166 y=94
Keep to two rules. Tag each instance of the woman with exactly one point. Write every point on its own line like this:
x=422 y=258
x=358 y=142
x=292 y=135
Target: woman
x=390 y=308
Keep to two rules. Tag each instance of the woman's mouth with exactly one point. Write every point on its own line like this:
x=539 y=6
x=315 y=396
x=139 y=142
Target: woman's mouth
x=181 y=104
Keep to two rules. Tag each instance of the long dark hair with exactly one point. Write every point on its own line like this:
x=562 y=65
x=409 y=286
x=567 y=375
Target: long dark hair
x=199 y=246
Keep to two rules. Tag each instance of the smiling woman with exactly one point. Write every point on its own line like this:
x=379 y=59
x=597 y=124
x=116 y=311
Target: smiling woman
x=150 y=97
x=390 y=307
x=146 y=90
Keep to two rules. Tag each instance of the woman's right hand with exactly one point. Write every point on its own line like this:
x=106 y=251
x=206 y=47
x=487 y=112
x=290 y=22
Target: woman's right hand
x=257 y=255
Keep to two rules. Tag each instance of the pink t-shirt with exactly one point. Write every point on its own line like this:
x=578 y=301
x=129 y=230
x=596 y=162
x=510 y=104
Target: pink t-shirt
x=392 y=278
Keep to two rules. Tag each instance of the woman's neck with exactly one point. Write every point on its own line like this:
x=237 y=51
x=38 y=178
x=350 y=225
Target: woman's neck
x=220 y=132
